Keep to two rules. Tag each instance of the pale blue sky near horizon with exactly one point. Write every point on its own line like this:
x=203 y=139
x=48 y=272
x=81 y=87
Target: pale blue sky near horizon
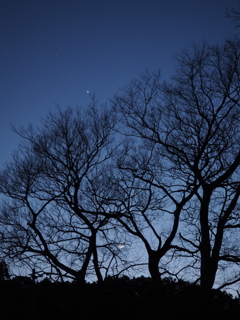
x=54 y=51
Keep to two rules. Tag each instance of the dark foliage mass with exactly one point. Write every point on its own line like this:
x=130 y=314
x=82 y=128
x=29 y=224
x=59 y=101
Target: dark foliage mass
x=115 y=298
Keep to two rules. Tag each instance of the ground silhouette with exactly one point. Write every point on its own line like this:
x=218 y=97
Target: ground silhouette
x=115 y=298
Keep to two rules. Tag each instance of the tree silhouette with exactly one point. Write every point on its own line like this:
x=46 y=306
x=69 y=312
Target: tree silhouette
x=54 y=217
x=4 y=274
x=204 y=140
x=153 y=195
x=159 y=169
x=187 y=159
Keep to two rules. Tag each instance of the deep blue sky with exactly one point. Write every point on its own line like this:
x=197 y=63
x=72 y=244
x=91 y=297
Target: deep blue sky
x=54 y=51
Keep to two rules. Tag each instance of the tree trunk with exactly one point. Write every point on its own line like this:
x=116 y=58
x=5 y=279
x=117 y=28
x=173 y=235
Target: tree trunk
x=81 y=274
x=208 y=263
x=207 y=277
x=153 y=261
x=96 y=264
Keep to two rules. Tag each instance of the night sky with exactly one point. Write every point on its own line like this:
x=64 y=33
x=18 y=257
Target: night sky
x=54 y=51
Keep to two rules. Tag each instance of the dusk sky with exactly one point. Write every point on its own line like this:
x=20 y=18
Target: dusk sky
x=54 y=51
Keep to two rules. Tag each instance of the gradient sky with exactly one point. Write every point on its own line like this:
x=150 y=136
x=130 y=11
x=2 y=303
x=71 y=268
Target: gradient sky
x=54 y=51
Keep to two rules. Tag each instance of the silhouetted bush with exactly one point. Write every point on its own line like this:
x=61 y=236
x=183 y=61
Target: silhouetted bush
x=115 y=298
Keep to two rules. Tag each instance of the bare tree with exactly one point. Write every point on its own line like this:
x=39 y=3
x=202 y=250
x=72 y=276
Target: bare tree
x=152 y=191
x=189 y=152
x=54 y=218
x=76 y=200
x=234 y=15
x=203 y=100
